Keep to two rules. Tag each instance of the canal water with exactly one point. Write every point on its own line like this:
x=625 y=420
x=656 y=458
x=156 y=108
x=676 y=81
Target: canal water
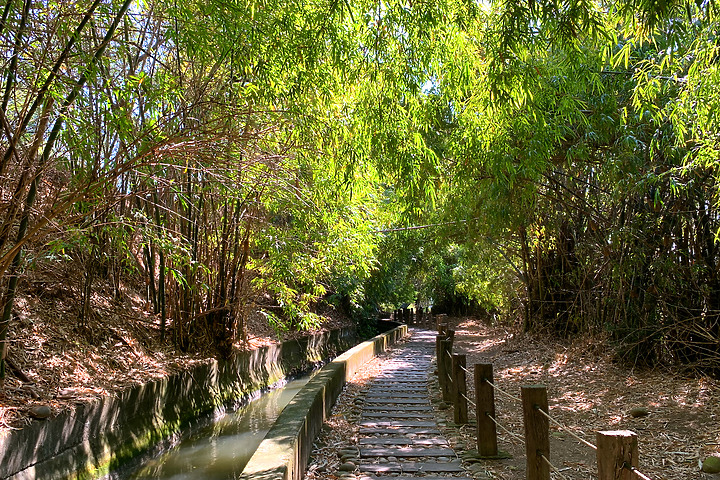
x=219 y=447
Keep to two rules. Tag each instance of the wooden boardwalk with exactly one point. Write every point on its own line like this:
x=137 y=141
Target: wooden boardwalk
x=399 y=436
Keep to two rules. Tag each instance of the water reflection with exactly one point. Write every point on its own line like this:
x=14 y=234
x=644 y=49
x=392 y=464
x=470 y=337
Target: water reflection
x=220 y=450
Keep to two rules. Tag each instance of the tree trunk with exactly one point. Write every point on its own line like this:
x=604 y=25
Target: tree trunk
x=9 y=297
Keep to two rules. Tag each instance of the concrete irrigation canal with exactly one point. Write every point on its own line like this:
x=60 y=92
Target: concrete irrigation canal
x=219 y=447
x=398 y=434
x=101 y=438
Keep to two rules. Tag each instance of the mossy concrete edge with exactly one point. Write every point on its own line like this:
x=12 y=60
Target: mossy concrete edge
x=97 y=437
x=284 y=453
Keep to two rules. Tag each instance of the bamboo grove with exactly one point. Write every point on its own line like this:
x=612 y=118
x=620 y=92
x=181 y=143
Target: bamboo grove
x=235 y=156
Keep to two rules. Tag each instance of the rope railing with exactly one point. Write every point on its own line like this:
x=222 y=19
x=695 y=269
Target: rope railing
x=498 y=389
x=502 y=427
x=613 y=448
x=553 y=467
x=637 y=472
x=565 y=429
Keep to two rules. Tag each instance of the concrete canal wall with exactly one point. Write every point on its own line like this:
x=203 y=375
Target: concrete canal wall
x=96 y=437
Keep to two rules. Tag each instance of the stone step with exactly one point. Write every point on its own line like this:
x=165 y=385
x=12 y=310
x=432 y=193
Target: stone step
x=396 y=400
x=396 y=423
x=400 y=387
x=412 y=467
x=403 y=387
x=400 y=378
x=398 y=415
x=394 y=394
x=402 y=441
x=424 y=477
x=407 y=452
x=400 y=431
x=400 y=383
x=400 y=392
x=392 y=400
x=392 y=407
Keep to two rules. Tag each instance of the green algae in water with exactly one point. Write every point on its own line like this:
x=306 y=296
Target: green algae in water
x=221 y=449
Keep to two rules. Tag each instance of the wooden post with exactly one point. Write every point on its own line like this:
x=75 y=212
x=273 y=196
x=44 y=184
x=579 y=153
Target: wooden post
x=450 y=340
x=617 y=451
x=445 y=351
x=419 y=315
x=459 y=387
x=442 y=328
x=537 y=431
x=442 y=379
x=485 y=410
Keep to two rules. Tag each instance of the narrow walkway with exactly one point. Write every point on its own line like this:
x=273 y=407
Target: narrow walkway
x=398 y=434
